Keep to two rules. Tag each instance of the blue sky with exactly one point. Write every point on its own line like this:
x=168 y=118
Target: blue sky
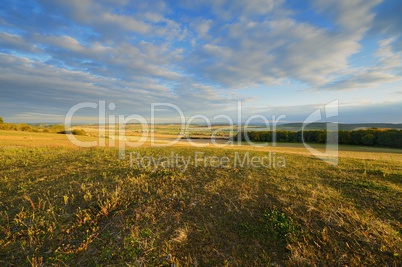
x=278 y=57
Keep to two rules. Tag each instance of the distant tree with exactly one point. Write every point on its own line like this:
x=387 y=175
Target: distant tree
x=321 y=137
x=298 y=137
x=281 y=136
x=344 y=137
x=368 y=140
x=388 y=138
x=371 y=137
x=357 y=136
x=1 y=120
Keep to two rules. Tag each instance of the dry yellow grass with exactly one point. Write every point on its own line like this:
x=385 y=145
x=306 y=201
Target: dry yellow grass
x=31 y=139
x=61 y=205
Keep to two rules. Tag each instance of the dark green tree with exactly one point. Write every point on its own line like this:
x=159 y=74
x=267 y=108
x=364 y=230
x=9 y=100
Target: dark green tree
x=344 y=137
x=1 y=120
x=368 y=139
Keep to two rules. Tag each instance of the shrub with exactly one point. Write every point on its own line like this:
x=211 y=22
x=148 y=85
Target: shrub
x=78 y=132
x=74 y=132
x=58 y=128
x=25 y=127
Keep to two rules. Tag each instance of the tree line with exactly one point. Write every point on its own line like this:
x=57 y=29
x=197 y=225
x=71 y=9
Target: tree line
x=55 y=128
x=371 y=137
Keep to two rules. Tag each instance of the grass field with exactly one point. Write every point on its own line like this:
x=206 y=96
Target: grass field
x=66 y=206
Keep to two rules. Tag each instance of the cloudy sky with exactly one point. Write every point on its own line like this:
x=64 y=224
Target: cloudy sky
x=279 y=57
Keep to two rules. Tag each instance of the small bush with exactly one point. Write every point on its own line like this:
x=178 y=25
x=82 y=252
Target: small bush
x=78 y=132
x=25 y=127
x=74 y=132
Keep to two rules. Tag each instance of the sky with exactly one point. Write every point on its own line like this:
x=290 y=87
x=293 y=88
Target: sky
x=279 y=58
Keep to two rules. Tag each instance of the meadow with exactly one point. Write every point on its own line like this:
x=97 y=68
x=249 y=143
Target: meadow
x=61 y=205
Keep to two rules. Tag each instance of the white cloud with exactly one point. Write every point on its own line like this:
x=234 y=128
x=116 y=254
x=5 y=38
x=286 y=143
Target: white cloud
x=246 y=51
x=351 y=15
x=25 y=81
x=389 y=58
x=387 y=69
x=363 y=80
x=124 y=22
x=202 y=27
x=270 y=51
x=16 y=42
x=239 y=9
x=110 y=21
x=190 y=52
x=251 y=50
x=65 y=42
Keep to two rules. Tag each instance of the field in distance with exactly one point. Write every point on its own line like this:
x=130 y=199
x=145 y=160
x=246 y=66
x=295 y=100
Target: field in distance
x=63 y=205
